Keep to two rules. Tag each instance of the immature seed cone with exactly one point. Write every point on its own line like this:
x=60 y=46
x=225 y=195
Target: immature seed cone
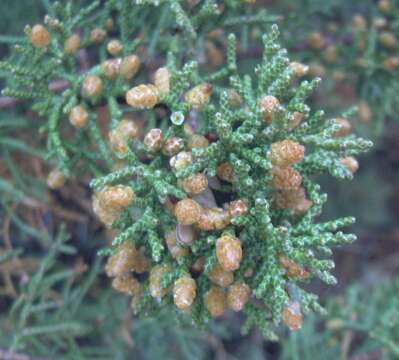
x=110 y=68
x=97 y=35
x=156 y=275
x=286 y=178
x=92 y=86
x=187 y=211
x=286 y=153
x=199 y=96
x=225 y=172
x=238 y=208
x=220 y=276
x=39 y=36
x=184 y=292
x=350 y=163
x=229 y=252
x=120 y=136
x=175 y=249
x=161 y=80
x=199 y=265
x=214 y=55
x=292 y=199
x=123 y=260
x=235 y=98
x=142 y=96
x=268 y=104
x=238 y=295
x=213 y=219
x=330 y=54
x=129 y=66
x=78 y=116
x=126 y=284
x=384 y=6
x=56 y=179
x=114 y=47
x=292 y=316
x=197 y=141
x=317 y=70
x=299 y=69
x=215 y=301
x=72 y=44
x=153 y=141
x=173 y=146
x=195 y=184
x=345 y=127
x=293 y=270
x=296 y=119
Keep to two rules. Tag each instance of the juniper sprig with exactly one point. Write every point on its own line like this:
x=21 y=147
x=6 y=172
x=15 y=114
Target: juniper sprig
x=222 y=199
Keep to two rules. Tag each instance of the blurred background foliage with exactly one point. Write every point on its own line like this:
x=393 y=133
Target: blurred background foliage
x=55 y=301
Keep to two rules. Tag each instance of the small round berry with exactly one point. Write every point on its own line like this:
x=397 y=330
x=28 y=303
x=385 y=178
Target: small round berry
x=110 y=68
x=229 y=252
x=345 y=127
x=122 y=261
x=268 y=104
x=195 y=184
x=187 y=211
x=78 y=116
x=199 y=96
x=142 y=96
x=293 y=270
x=114 y=47
x=220 y=276
x=129 y=66
x=292 y=316
x=238 y=295
x=181 y=160
x=225 y=172
x=92 y=86
x=155 y=280
x=184 y=292
x=161 y=80
x=173 y=146
x=197 y=141
x=350 y=163
x=387 y=39
x=286 y=178
x=286 y=153
x=213 y=219
x=299 y=70
x=72 y=44
x=153 y=141
x=364 y=112
x=215 y=301
x=39 y=36
x=316 y=40
x=120 y=136
x=175 y=249
x=97 y=35
x=238 y=208
x=126 y=284
x=56 y=179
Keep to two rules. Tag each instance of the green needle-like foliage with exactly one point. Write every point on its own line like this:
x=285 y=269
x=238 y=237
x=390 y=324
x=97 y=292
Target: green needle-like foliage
x=271 y=164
